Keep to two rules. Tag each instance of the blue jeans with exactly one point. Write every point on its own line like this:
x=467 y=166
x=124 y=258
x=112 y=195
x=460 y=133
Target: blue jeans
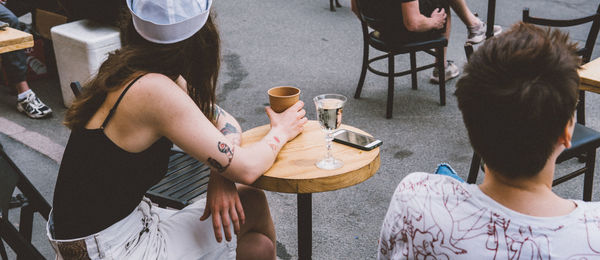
x=14 y=63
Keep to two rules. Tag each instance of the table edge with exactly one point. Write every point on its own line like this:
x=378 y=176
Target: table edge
x=335 y=182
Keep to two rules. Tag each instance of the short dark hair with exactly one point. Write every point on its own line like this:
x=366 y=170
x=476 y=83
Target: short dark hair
x=517 y=94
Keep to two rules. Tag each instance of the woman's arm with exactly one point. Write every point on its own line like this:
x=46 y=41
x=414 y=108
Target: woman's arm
x=222 y=199
x=228 y=126
x=416 y=22
x=171 y=112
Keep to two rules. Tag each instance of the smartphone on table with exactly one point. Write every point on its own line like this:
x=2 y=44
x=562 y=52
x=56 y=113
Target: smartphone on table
x=356 y=140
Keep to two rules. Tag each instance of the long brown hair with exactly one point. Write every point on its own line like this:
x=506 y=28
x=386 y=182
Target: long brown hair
x=197 y=59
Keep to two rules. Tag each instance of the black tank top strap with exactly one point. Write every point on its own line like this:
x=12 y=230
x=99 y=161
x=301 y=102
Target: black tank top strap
x=114 y=108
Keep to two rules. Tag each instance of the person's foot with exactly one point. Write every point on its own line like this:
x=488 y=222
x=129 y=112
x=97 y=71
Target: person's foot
x=452 y=71
x=33 y=107
x=477 y=32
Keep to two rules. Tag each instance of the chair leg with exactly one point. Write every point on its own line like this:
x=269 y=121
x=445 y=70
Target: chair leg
x=489 y=32
x=331 y=8
x=442 y=75
x=474 y=170
x=26 y=222
x=23 y=248
x=390 y=95
x=3 y=251
x=337 y=3
x=363 y=72
x=581 y=108
x=413 y=69
x=588 y=179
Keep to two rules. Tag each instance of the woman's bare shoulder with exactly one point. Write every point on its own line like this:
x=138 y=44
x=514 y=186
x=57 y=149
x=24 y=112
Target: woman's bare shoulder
x=161 y=98
x=154 y=87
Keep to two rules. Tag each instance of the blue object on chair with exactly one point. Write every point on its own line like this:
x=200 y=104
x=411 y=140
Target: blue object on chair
x=446 y=169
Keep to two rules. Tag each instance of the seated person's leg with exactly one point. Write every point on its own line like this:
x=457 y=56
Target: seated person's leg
x=476 y=28
x=187 y=237
x=15 y=66
x=257 y=236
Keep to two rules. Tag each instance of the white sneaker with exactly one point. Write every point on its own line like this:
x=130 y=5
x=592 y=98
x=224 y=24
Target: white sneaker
x=477 y=33
x=452 y=71
x=33 y=107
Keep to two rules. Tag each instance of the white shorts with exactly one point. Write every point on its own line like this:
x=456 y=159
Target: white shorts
x=150 y=232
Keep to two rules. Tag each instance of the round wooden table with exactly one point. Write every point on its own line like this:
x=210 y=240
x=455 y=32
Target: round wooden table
x=294 y=171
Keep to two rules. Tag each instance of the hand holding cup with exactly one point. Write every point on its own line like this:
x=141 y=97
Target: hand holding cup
x=286 y=112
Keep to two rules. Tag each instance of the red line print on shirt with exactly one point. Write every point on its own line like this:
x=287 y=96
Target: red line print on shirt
x=437 y=227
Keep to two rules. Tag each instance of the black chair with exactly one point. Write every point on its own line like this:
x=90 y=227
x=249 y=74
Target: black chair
x=393 y=48
x=185 y=180
x=585 y=141
x=29 y=201
x=585 y=52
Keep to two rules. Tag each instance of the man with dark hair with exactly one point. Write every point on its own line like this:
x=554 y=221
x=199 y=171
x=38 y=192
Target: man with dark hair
x=518 y=97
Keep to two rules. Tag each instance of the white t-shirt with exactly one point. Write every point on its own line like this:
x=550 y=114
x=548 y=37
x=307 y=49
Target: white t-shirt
x=433 y=216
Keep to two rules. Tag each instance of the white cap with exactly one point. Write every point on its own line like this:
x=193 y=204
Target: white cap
x=168 y=21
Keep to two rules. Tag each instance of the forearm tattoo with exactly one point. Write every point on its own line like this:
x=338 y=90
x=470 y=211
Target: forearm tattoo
x=229 y=129
x=274 y=144
x=223 y=148
x=218 y=112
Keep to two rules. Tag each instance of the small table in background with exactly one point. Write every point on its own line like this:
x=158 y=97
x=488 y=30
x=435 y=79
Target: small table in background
x=589 y=75
x=13 y=39
x=294 y=171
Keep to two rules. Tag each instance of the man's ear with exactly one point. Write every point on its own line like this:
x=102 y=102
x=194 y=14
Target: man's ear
x=567 y=135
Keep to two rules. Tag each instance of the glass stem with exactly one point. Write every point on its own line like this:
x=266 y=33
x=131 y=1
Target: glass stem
x=329 y=138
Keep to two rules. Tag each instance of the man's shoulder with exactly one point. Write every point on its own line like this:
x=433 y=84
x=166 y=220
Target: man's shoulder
x=422 y=182
x=423 y=178
x=590 y=208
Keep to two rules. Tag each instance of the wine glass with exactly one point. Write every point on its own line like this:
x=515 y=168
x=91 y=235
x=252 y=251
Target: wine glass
x=329 y=114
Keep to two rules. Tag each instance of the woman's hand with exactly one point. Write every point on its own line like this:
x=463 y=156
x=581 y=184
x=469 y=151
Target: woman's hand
x=288 y=123
x=223 y=202
x=438 y=16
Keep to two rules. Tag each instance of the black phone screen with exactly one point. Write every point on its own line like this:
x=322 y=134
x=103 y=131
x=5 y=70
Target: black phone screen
x=354 y=138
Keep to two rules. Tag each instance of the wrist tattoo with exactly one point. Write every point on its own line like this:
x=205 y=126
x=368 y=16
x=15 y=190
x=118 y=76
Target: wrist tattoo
x=223 y=148
x=273 y=145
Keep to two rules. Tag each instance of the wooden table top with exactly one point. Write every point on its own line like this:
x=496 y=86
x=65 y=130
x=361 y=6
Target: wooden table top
x=589 y=75
x=294 y=170
x=13 y=39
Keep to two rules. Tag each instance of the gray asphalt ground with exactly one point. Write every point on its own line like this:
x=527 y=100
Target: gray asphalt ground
x=302 y=43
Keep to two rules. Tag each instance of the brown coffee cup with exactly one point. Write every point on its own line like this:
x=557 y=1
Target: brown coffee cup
x=283 y=97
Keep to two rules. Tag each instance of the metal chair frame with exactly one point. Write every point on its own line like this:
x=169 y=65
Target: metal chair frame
x=29 y=202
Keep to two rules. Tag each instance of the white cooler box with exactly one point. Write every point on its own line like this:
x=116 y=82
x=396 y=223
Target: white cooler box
x=80 y=48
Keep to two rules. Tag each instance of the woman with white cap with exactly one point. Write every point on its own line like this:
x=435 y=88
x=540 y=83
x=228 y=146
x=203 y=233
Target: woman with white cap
x=159 y=89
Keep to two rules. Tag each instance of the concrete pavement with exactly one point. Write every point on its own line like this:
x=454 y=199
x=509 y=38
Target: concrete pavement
x=302 y=43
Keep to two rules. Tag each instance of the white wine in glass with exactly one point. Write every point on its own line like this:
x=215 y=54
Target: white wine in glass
x=329 y=114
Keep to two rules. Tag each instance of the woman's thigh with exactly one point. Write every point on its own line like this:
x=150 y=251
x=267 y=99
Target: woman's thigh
x=187 y=237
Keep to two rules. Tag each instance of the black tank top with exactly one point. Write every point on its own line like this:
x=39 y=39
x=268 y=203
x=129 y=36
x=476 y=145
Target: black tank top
x=99 y=183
